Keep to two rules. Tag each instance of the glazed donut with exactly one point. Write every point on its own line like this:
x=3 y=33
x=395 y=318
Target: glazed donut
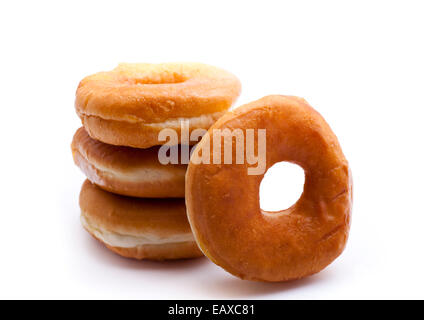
x=223 y=200
x=137 y=228
x=131 y=104
x=127 y=171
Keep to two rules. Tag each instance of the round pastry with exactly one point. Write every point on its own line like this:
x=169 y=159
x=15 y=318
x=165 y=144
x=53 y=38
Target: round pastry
x=131 y=104
x=223 y=199
x=127 y=171
x=137 y=228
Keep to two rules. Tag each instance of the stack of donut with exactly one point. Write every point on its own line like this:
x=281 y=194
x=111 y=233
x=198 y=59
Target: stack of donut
x=131 y=201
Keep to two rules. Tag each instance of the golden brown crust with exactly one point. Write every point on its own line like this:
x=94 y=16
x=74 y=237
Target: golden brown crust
x=127 y=171
x=135 y=217
x=132 y=216
x=226 y=218
x=119 y=106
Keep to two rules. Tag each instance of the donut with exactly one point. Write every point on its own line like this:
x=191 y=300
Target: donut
x=131 y=104
x=223 y=204
x=127 y=171
x=137 y=228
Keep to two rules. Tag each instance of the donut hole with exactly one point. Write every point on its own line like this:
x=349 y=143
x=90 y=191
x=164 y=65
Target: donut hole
x=164 y=78
x=281 y=186
x=142 y=74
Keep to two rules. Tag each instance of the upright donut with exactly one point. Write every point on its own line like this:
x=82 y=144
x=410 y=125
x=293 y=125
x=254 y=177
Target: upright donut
x=131 y=104
x=223 y=199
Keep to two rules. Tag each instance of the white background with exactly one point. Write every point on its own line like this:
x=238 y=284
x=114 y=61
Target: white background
x=359 y=63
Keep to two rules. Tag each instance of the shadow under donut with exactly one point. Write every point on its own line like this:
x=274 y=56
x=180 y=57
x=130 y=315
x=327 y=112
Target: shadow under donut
x=100 y=252
x=233 y=287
